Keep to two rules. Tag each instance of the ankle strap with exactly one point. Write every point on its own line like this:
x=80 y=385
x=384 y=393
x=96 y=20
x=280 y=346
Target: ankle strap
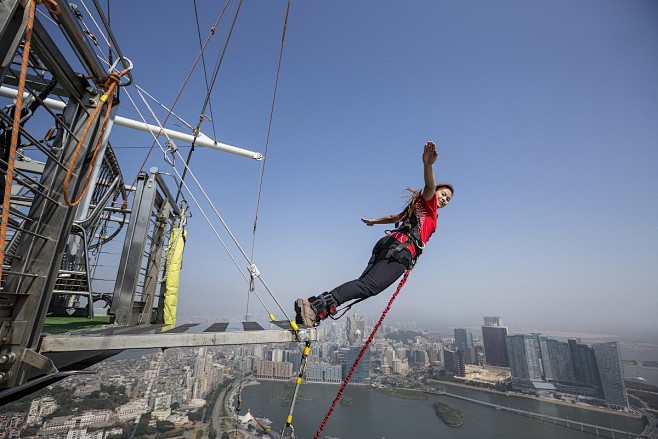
x=324 y=305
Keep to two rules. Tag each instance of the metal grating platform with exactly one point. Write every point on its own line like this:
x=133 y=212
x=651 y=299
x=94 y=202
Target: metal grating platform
x=187 y=335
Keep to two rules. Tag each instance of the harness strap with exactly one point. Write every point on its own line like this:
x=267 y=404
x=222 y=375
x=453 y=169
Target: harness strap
x=395 y=252
x=324 y=305
x=410 y=228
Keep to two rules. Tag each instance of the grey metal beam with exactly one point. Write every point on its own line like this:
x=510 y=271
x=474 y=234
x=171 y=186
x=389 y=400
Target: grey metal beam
x=79 y=41
x=154 y=260
x=12 y=26
x=70 y=343
x=55 y=61
x=133 y=250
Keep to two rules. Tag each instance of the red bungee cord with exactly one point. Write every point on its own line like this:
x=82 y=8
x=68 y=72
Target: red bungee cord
x=358 y=358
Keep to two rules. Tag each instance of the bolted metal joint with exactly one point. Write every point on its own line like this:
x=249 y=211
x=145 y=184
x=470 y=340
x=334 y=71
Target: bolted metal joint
x=7 y=359
x=303 y=335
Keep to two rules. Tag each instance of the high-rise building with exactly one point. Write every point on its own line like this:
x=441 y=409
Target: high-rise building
x=454 y=362
x=524 y=358
x=544 y=358
x=355 y=330
x=274 y=370
x=433 y=353
x=559 y=357
x=347 y=356
x=493 y=321
x=594 y=371
x=323 y=373
x=389 y=355
x=585 y=368
x=494 y=340
x=418 y=357
x=464 y=343
x=463 y=338
x=610 y=369
x=277 y=355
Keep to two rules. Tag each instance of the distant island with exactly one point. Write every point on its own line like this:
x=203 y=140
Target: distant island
x=450 y=416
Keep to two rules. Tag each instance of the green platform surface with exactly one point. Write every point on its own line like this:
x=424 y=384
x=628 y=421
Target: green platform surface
x=58 y=325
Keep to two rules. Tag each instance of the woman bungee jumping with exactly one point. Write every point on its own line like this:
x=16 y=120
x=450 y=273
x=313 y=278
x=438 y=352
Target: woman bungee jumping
x=393 y=254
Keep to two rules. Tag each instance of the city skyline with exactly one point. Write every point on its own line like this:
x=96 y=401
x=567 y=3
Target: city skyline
x=167 y=385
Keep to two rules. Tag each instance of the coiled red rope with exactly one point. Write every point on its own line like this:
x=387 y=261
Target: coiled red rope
x=358 y=358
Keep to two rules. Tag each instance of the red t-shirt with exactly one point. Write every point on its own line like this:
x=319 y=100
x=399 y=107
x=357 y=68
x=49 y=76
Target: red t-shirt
x=427 y=220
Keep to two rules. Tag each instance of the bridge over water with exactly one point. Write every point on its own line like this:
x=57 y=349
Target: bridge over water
x=598 y=430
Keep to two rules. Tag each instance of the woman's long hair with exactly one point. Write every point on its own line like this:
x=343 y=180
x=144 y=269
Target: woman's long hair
x=414 y=195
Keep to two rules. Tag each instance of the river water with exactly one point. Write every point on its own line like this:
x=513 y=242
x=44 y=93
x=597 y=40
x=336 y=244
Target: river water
x=640 y=354
x=374 y=415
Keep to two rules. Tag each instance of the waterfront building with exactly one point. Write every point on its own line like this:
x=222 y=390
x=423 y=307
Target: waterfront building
x=524 y=358
x=323 y=373
x=585 y=368
x=561 y=365
x=278 y=370
x=544 y=358
x=608 y=359
x=495 y=344
x=346 y=357
x=540 y=364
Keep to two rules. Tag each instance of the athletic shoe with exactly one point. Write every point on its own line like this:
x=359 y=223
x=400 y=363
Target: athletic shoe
x=304 y=314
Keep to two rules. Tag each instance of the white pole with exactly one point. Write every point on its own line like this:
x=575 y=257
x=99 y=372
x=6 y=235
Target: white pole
x=201 y=140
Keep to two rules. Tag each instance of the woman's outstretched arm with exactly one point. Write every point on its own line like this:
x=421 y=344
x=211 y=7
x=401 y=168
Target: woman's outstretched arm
x=388 y=219
x=430 y=155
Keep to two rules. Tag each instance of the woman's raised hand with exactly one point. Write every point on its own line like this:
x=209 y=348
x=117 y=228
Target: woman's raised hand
x=430 y=153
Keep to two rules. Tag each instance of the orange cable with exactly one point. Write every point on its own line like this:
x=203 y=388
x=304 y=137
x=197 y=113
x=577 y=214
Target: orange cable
x=52 y=6
x=110 y=84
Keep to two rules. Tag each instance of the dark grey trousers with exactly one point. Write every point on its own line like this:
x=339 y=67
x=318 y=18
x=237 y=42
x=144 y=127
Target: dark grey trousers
x=384 y=268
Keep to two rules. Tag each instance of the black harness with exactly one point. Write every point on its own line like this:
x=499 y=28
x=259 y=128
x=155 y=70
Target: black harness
x=411 y=228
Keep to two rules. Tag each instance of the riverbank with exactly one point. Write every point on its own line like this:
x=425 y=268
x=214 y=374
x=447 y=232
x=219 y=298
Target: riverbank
x=579 y=405
x=229 y=400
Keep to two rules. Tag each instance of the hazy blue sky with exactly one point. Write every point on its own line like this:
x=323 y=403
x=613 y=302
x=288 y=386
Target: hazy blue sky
x=545 y=114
